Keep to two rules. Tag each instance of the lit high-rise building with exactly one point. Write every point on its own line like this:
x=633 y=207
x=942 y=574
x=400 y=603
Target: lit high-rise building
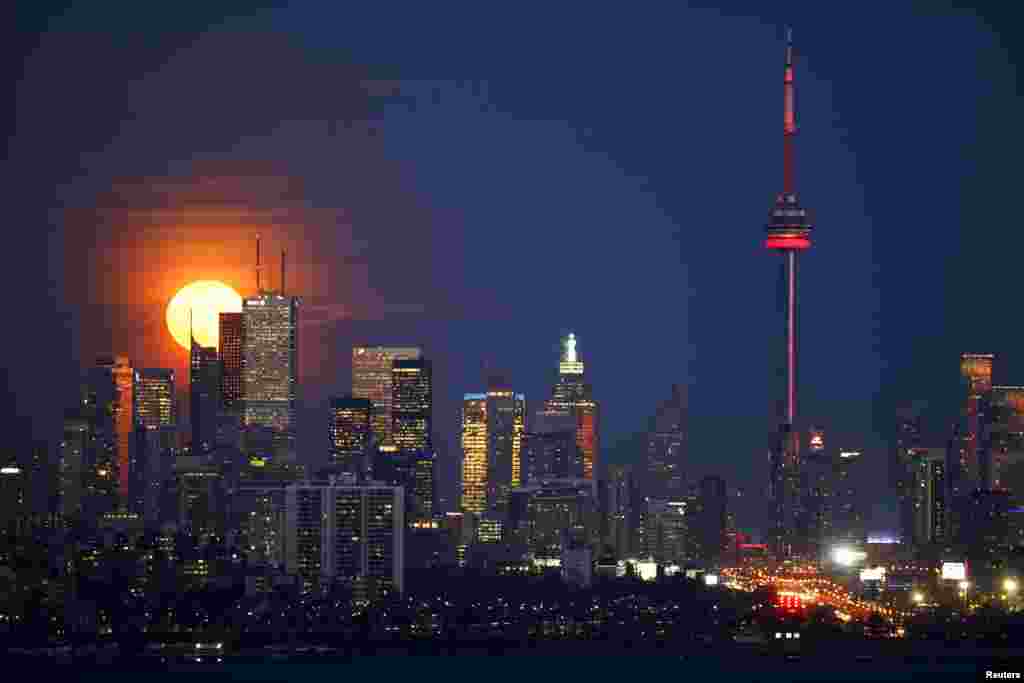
x=231 y=345
x=153 y=398
x=107 y=407
x=412 y=405
x=270 y=368
x=372 y=370
x=666 y=447
x=976 y=375
x=338 y=532
x=572 y=395
x=72 y=461
x=413 y=471
x=474 y=453
x=351 y=433
x=1001 y=436
x=711 y=519
x=909 y=438
x=204 y=396
x=930 y=520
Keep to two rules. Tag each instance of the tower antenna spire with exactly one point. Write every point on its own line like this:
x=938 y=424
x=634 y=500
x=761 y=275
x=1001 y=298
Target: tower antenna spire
x=259 y=284
x=282 y=271
x=788 y=116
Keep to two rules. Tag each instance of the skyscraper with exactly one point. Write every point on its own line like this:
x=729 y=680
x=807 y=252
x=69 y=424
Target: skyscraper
x=106 y=406
x=492 y=430
x=204 y=396
x=351 y=421
x=788 y=233
x=976 y=377
x=372 y=374
x=1001 y=436
x=572 y=395
x=412 y=401
x=155 y=433
x=666 y=447
x=231 y=350
x=710 y=523
x=153 y=398
x=474 y=453
x=270 y=368
x=336 y=532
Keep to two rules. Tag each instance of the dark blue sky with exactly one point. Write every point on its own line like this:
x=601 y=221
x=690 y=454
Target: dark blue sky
x=484 y=180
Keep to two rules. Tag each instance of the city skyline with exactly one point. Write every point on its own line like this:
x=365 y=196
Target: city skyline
x=524 y=378
x=144 y=189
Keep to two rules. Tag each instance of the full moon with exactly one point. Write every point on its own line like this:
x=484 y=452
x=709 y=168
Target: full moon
x=206 y=300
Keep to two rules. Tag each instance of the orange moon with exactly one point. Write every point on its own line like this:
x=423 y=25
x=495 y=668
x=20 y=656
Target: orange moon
x=206 y=300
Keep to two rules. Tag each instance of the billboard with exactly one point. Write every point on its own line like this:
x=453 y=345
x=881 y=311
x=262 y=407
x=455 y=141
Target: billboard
x=954 y=571
x=711 y=579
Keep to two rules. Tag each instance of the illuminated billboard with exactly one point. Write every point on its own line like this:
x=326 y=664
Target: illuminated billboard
x=711 y=579
x=954 y=571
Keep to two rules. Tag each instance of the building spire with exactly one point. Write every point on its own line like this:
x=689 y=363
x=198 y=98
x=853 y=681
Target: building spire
x=788 y=116
x=259 y=284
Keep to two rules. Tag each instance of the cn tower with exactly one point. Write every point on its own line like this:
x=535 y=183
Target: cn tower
x=789 y=233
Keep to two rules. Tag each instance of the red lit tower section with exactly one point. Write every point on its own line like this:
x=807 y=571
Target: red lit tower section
x=788 y=233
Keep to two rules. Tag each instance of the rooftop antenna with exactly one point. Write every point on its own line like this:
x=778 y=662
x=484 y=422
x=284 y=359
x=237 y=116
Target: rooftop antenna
x=282 y=271
x=259 y=284
x=789 y=116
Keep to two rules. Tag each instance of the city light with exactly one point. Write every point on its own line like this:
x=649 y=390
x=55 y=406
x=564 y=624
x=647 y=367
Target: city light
x=1010 y=586
x=918 y=598
x=846 y=556
x=964 y=585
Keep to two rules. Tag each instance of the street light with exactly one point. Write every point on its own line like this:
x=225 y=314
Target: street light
x=1010 y=586
x=918 y=597
x=964 y=585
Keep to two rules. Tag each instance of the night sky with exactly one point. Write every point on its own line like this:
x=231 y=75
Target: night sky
x=484 y=179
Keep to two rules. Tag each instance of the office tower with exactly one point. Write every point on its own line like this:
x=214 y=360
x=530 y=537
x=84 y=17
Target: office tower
x=909 y=438
x=270 y=367
x=152 y=463
x=549 y=450
x=849 y=512
x=372 y=371
x=412 y=401
x=666 y=447
x=976 y=378
x=620 y=509
x=788 y=233
x=14 y=496
x=711 y=520
x=351 y=433
x=572 y=396
x=413 y=471
x=818 y=474
x=231 y=350
x=666 y=532
x=72 y=459
x=200 y=495
x=930 y=520
x=204 y=396
x=345 y=533
x=553 y=516
x=1000 y=435
x=474 y=453
x=105 y=407
x=153 y=398
x=492 y=428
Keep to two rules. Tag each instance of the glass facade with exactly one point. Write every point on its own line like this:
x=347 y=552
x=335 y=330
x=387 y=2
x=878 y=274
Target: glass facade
x=153 y=397
x=412 y=405
x=270 y=365
x=976 y=375
x=372 y=371
x=572 y=395
x=231 y=351
x=474 y=453
x=204 y=396
x=351 y=424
